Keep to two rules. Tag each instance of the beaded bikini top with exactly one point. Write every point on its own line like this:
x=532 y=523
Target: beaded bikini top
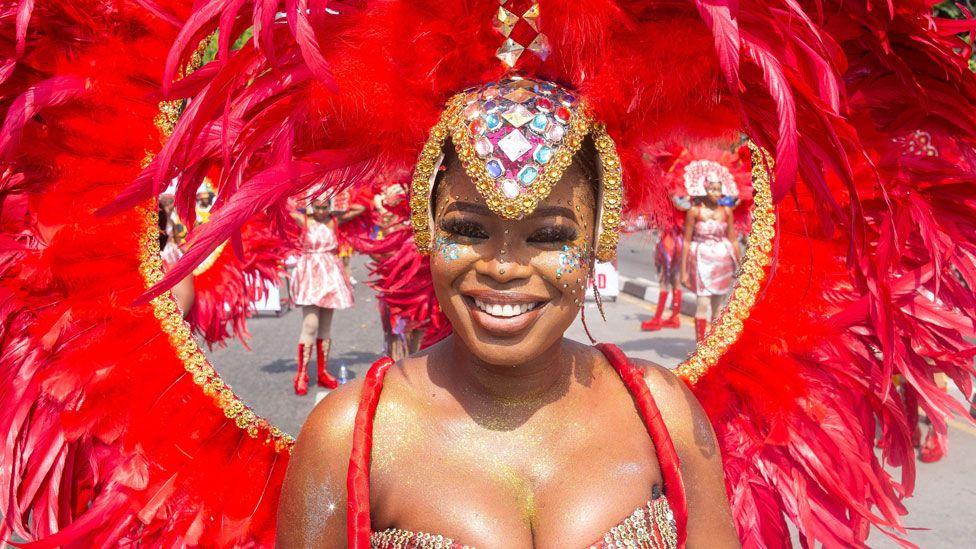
x=660 y=524
x=649 y=527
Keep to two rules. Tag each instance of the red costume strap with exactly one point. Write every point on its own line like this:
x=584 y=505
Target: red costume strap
x=667 y=457
x=357 y=483
x=357 y=479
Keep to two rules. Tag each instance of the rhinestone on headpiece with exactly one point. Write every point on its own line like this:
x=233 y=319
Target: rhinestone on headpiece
x=515 y=139
x=528 y=132
x=518 y=22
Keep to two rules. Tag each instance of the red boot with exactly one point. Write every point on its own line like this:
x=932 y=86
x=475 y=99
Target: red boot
x=934 y=448
x=674 y=321
x=301 y=377
x=322 y=361
x=701 y=324
x=654 y=324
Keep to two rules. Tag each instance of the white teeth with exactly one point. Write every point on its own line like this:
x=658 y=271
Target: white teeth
x=504 y=311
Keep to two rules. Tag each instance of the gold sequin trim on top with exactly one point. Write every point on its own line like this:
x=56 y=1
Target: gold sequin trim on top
x=170 y=318
x=402 y=539
x=649 y=527
x=726 y=330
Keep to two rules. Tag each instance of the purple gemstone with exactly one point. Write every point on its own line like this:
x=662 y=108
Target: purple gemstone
x=495 y=168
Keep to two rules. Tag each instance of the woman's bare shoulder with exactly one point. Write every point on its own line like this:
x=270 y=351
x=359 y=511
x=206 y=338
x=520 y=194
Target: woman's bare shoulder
x=687 y=423
x=329 y=427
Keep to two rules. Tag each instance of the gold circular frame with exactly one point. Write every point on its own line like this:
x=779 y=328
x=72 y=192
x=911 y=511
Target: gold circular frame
x=723 y=333
x=727 y=328
x=170 y=318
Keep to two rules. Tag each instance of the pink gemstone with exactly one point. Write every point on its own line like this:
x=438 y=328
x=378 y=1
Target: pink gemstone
x=483 y=146
x=555 y=132
x=472 y=111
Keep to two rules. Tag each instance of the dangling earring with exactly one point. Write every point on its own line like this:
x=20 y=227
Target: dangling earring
x=599 y=301
x=583 y=320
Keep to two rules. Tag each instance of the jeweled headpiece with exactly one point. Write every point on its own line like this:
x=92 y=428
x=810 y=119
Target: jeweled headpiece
x=516 y=138
x=700 y=173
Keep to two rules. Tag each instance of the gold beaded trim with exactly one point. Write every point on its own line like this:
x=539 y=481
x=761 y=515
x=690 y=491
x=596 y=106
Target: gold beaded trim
x=189 y=352
x=170 y=318
x=727 y=328
x=211 y=259
x=451 y=123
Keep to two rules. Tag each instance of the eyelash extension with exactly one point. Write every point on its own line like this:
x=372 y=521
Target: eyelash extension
x=464 y=228
x=553 y=235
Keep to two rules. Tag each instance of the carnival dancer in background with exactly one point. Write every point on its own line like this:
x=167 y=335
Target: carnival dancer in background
x=409 y=313
x=350 y=202
x=205 y=200
x=709 y=254
x=320 y=285
x=667 y=261
x=411 y=317
x=170 y=234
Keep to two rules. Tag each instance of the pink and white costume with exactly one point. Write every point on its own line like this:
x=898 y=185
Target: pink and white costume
x=319 y=278
x=711 y=262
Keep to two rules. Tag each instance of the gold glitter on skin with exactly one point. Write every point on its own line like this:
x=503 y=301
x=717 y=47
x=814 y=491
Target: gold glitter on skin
x=529 y=440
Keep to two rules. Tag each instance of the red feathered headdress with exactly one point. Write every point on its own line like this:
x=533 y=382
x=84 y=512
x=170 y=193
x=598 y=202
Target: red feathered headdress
x=874 y=262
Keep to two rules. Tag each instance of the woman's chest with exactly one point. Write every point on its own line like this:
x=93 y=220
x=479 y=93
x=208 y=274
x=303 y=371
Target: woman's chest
x=522 y=490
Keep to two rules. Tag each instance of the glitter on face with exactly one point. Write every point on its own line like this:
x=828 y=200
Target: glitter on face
x=570 y=259
x=447 y=248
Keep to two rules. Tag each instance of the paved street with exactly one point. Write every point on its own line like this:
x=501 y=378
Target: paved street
x=945 y=494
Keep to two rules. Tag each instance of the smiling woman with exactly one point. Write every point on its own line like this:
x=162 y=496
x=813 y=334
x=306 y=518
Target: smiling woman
x=507 y=403
x=120 y=431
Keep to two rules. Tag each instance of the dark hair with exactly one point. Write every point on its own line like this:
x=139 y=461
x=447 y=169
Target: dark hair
x=161 y=219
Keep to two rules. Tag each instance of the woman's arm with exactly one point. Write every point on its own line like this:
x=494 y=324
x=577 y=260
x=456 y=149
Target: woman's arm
x=299 y=218
x=312 y=510
x=689 y=231
x=354 y=211
x=709 y=516
x=731 y=233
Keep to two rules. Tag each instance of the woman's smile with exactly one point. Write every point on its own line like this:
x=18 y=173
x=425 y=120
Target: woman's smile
x=503 y=313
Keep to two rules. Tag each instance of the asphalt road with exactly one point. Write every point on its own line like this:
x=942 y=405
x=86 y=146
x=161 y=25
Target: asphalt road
x=945 y=493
